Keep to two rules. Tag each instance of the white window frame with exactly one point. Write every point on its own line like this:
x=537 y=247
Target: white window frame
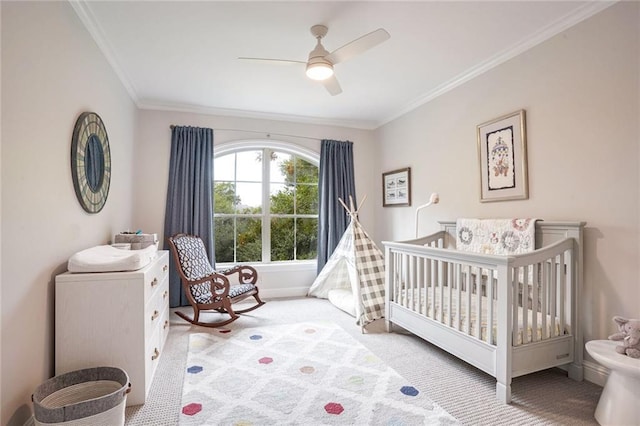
x=309 y=155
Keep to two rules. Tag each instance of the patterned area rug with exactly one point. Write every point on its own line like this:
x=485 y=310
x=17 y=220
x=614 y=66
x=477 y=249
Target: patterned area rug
x=296 y=374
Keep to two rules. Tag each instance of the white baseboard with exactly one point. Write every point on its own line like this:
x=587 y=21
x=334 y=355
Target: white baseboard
x=280 y=293
x=595 y=373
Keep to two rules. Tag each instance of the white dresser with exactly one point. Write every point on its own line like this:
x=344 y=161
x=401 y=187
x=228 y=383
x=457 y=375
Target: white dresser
x=116 y=319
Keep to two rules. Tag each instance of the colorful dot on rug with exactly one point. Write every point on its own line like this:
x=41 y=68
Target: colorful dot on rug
x=396 y=421
x=409 y=390
x=356 y=380
x=307 y=369
x=192 y=409
x=255 y=337
x=194 y=369
x=371 y=358
x=265 y=360
x=334 y=408
x=310 y=330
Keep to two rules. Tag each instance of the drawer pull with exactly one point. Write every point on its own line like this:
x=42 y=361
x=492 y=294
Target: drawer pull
x=156 y=354
x=164 y=268
x=165 y=294
x=166 y=324
x=155 y=315
x=154 y=282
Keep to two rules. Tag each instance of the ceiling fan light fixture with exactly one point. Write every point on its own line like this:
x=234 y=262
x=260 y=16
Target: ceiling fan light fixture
x=319 y=71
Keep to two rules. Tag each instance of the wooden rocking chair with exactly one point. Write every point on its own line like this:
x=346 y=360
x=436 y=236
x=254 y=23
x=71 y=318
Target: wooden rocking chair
x=207 y=289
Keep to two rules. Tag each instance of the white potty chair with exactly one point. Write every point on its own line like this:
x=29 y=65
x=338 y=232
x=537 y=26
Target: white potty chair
x=619 y=403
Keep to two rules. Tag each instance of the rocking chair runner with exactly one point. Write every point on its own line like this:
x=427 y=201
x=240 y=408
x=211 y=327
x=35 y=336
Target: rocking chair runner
x=207 y=289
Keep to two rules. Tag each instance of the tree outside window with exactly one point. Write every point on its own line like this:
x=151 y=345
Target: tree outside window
x=265 y=211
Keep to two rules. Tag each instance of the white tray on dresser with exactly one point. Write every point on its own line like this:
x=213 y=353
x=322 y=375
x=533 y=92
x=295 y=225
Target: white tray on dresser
x=116 y=319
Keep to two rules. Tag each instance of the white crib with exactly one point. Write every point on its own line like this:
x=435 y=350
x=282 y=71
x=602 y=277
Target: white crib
x=471 y=305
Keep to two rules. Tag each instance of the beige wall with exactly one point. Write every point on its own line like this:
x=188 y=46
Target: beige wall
x=580 y=91
x=151 y=174
x=51 y=72
x=154 y=136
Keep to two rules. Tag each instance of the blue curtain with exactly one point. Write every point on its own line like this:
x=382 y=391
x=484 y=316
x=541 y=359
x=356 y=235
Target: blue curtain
x=189 y=195
x=335 y=180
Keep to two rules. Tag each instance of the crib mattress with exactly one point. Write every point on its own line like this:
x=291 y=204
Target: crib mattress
x=424 y=304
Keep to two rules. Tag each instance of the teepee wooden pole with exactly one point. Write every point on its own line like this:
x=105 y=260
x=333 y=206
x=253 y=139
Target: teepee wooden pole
x=344 y=205
x=361 y=202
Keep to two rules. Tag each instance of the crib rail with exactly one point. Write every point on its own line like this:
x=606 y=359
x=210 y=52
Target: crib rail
x=510 y=300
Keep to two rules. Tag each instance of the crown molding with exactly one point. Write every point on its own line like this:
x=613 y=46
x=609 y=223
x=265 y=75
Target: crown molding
x=551 y=30
x=82 y=9
x=238 y=113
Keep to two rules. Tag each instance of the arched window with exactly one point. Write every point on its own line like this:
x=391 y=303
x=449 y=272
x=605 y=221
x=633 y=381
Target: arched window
x=265 y=203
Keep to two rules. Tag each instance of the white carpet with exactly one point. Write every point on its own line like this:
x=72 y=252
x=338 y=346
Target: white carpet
x=303 y=373
x=543 y=398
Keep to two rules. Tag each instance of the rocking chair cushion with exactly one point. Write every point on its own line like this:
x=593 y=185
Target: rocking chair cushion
x=202 y=292
x=194 y=263
x=237 y=290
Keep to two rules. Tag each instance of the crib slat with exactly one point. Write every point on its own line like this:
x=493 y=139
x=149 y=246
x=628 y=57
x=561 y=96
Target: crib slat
x=535 y=302
x=413 y=280
x=552 y=296
x=396 y=278
x=458 y=296
x=514 y=303
x=468 y=299
x=545 y=299
x=490 y=303
x=562 y=291
x=479 y=304
x=450 y=289
x=525 y=304
x=422 y=287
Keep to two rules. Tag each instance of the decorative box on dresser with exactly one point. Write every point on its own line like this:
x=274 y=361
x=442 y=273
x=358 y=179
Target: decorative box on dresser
x=116 y=319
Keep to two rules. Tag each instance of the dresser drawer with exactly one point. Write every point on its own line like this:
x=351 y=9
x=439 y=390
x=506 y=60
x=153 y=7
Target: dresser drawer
x=154 y=277
x=126 y=329
x=156 y=307
x=152 y=354
x=164 y=326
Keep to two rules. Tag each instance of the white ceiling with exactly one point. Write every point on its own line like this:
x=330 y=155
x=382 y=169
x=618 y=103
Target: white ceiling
x=182 y=55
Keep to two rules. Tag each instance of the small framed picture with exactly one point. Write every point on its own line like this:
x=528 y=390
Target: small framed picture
x=396 y=188
x=502 y=151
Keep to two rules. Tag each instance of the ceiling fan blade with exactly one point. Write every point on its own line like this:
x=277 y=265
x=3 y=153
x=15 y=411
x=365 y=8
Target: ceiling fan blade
x=358 y=46
x=281 y=61
x=332 y=85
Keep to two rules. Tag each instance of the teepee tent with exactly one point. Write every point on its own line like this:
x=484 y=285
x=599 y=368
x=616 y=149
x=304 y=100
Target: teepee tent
x=353 y=277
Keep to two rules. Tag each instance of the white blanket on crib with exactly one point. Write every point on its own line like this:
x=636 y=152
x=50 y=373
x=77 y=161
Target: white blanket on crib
x=496 y=236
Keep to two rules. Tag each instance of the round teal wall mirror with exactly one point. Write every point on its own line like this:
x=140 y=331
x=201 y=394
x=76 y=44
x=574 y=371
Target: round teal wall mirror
x=90 y=162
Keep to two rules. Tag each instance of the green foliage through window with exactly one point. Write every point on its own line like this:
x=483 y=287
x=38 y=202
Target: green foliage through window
x=291 y=224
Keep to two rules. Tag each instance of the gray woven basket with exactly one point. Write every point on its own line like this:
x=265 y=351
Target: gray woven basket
x=92 y=396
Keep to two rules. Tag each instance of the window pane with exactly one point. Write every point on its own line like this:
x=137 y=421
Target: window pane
x=249 y=166
x=224 y=167
x=224 y=197
x=307 y=199
x=249 y=198
x=306 y=172
x=224 y=237
x=281 y=167
x=282 y=239
x=291 y=191
x=249 y=241
x=281 y=199
x=306 y=238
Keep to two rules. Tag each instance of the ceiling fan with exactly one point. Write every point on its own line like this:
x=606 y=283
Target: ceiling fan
x=320 y=63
